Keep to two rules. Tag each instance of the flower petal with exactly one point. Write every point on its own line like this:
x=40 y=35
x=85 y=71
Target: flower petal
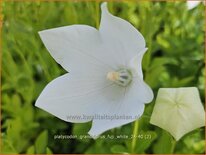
x=77 y=48
x=120 y=34
x=136 y=64
x=142 y=91
x=192 y=4
x=70 y=97
x=126 y=109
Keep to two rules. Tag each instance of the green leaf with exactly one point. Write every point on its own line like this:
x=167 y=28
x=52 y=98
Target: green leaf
x=81 y=130
x=144 y=141
x=31 y=150
x=48 y=151
x=41 y=142
x=7 y=146
x=119 y=149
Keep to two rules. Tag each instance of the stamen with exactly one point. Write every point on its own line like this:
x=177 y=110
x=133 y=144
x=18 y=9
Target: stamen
x=121 y=77
x=113 y=76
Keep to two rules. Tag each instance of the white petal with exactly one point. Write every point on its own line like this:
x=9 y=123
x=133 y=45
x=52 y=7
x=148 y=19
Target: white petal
x=130 y=105
x=192 y=4
x=121 y=35
x=70 y=95
x=141 y=91
x=136 y=64
x=76 y=48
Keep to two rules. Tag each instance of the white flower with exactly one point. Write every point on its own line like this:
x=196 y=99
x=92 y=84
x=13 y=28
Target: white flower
x=105 y=74
x=178 y=111
x=193 y=4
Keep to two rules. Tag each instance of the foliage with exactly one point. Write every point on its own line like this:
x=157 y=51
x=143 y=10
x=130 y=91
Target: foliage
x=175 y=59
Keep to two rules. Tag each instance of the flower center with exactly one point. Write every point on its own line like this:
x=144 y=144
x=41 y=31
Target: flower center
x=121 y=77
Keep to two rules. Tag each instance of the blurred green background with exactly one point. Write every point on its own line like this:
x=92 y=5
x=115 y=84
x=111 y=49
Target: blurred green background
x=174 y=36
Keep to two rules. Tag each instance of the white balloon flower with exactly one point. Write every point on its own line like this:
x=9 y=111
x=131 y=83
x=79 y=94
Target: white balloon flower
x=193 y=3
x=178 y=111
x=105 y=78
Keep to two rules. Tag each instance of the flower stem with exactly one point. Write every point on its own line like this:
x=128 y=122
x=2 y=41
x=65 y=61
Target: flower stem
x=173 y=145
x=135 y=135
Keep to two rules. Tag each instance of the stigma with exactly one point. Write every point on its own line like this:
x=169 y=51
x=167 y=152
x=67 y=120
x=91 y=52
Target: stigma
x=122 y=77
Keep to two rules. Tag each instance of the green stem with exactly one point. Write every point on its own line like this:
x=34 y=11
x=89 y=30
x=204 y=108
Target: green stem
x=174 y=145
x=135 y=135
